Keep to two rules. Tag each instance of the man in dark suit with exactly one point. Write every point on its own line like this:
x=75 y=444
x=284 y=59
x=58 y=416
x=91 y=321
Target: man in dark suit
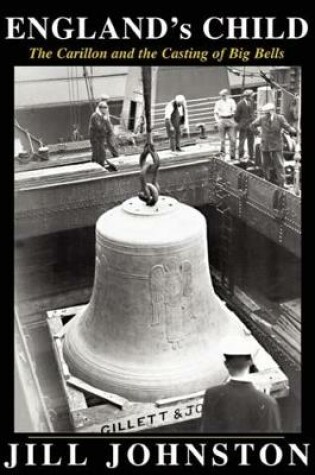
x=101 y=135
x=272 y=125
x=244 y=116
x=237 y=406
x=176 y=117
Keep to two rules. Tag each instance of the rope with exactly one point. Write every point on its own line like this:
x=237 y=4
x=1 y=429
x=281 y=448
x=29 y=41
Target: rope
x=72 y=113
x=91 y=83
x=86 y=78
x=73 y=87
x=78 y=99
x=276 y=85
x=149 y=191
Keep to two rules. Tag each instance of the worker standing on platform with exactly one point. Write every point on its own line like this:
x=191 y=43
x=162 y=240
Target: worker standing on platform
x=244 y=116
x=224 y=110
x=75 y=134
x=271 y=125
x=237 y=406
x=176 y=116
x=293 y=113
x=140 y=127
x=101 y=135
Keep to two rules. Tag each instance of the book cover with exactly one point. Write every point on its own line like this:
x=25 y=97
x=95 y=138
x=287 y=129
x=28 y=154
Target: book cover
x=154 y=319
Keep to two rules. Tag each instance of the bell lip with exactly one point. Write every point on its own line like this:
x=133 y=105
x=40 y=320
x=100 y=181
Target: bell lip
x=149 y=385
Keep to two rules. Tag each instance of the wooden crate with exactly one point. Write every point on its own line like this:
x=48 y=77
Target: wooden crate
x=94 y=410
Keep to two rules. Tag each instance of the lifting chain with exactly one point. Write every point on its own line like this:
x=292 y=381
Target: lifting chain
x=149 y=190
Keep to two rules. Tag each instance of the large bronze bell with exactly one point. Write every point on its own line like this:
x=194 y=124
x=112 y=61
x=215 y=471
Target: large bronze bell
x=154 y=326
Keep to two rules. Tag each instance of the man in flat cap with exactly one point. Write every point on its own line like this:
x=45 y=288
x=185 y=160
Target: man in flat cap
x=176 y=116
x=224 y=110
x=101 y=135
x=272 y=125
x=244 y=116
x=237 y=406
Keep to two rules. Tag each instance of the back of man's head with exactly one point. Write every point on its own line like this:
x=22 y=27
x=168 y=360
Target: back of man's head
x=237 y=352
x=237 y=365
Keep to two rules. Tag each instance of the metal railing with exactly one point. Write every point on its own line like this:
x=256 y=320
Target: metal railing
x=200 y=110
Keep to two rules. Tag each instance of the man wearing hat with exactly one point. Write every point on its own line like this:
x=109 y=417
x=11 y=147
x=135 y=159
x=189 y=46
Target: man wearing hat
x=244 y=116
x=272 y=125
x=224 y=110
x=101 y=135
x=176 y=116
x=237 y=406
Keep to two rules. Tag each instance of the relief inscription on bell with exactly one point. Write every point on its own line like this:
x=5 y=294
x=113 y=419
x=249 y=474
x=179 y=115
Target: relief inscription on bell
x=172 y=299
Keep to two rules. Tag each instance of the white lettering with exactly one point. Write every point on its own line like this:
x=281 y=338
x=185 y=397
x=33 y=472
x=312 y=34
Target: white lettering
x=244 y=452
x=47 y=457
x=145 y=454
x=14 y=24
x=137 y=30
x=13 y=457
x=108 y=30
x=153 y=22
x=115 y=457
x=162 y=453
x=200 y=456
x=257 y=32
x=73 y=456
x=55 y=28
x=232 y=27
x=295 y=450
x=30 y=455
x=271 y=30
x=41 y=29
x=277 y=452
x=206 y=28
x=221 y=454
x=292 y=28
x=82 y=30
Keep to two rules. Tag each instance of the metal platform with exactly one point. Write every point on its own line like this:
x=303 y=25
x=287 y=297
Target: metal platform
x=74 y=196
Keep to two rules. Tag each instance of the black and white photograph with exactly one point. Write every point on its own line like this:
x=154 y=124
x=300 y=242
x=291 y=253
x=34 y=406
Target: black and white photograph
x=157 y=249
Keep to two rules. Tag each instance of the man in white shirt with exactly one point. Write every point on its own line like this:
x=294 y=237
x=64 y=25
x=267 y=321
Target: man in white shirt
x=224 y=111
x=176 y=115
